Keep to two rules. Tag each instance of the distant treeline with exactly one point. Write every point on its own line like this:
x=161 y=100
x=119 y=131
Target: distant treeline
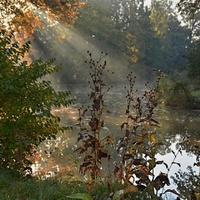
x=136 y=37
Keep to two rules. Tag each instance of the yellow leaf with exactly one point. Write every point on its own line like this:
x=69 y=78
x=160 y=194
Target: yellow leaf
x=197 y=195
x=134 y=58
x=108 y=140
x=140 y=138
x=132 y=150
x=152 y=137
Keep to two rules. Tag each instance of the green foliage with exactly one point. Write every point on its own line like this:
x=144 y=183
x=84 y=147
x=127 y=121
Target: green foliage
x=159 y=18
x=179 y=91
x=26 y=101
x=96 y=16
x=179 y=94
x=182 y=88
x=16 y=187
x=193 y=61
x=147 y=40
x=125 y=29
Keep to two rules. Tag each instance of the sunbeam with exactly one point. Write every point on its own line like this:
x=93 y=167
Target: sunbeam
x=70 y=48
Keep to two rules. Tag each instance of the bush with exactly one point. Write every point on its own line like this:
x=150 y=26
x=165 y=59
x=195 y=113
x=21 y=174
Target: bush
x=26 y=100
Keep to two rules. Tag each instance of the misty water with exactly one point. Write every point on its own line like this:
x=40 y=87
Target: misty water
x=57 y=157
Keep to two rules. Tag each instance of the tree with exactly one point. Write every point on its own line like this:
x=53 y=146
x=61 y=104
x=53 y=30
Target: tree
x=190 y=13
x=97 y=15
x=149 y=37
x=157 y=38
x=193 y=26
x=193 y=60
x=99 y=29
x=26 y=101
x=30 y=14
x=165 y=48
x=188 y=183
x=188 y=7
x=159 y=17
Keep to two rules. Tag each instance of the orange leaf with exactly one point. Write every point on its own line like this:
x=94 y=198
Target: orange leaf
x=90 y=186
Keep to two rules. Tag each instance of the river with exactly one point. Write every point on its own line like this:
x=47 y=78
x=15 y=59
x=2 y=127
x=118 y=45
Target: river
x=56 y=157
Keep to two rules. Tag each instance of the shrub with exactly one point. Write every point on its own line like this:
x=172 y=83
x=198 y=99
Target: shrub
x=26 y=100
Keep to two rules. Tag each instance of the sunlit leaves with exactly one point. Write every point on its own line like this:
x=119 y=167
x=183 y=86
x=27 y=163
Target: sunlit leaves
x=63 y=10
x=29 y=21
x=10 y=7
x=159 y=18
x=134 y=51
x=108 y=140
x=26 y=16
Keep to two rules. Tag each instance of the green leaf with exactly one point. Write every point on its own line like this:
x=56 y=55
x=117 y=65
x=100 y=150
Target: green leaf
x=26 y=103
x=83 y=196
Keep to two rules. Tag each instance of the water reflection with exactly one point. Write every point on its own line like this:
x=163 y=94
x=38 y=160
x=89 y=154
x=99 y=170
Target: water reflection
x=56 y=157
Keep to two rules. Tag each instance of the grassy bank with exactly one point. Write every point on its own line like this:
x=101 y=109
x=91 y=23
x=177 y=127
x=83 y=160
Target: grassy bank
x=14 y=187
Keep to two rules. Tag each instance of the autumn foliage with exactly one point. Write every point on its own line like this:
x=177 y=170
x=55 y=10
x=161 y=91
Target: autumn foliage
x=94 y=146
x=25 y=16
x=138 y=145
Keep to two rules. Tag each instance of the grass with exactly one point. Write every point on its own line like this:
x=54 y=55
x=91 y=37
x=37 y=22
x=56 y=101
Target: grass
x=13 y=187
x=196 y=94
x=196 y=101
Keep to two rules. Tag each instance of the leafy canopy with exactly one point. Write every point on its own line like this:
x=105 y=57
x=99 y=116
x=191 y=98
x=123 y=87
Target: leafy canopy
x=193 y=60
x=188 y=7
x=30 y=14
x=26 y=101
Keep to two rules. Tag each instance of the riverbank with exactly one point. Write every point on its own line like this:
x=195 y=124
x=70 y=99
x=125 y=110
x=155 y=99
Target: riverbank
x=22 y=188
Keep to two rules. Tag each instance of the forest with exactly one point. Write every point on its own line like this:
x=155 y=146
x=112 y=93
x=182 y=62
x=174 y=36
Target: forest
x=95 y=95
